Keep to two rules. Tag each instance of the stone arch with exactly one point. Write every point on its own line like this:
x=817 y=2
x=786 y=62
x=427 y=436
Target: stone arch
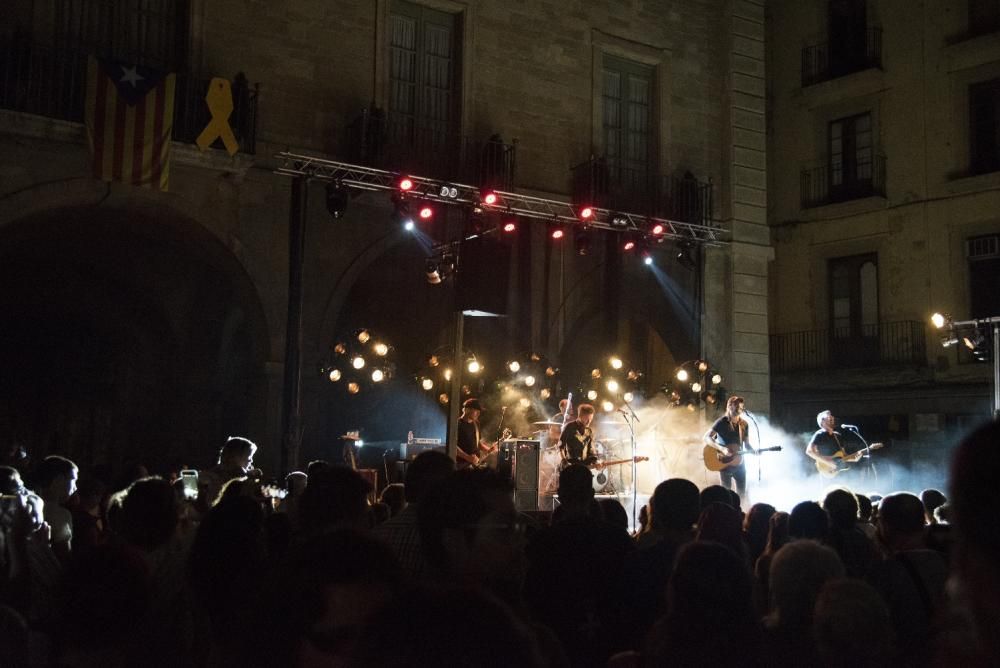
x=171 y=335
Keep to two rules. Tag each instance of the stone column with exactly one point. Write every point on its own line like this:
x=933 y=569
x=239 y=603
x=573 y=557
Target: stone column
x=735 y=326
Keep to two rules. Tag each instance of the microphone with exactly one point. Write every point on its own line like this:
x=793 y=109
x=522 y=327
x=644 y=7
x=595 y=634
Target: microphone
x=626 y=414
x=849 y=426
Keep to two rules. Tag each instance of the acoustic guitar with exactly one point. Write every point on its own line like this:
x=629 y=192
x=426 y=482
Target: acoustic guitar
x=832 y=470
x=716 y=458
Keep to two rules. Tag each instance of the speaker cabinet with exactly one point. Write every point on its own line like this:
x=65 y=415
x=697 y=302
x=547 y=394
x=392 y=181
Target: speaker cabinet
x=526 y=454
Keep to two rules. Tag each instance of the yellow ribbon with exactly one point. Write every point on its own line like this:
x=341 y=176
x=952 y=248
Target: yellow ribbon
x=220 y=104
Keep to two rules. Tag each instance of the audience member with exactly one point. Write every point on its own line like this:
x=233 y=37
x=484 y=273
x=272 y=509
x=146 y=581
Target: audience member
x=851 y=626
x=394 y=497
x=856 y=550
x=756 y=527
x=336 y=497
x=55 y=481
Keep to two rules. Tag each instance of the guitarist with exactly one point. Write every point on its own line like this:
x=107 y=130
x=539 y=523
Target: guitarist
x=730 y=431
x=576 y=443
x=471 y=448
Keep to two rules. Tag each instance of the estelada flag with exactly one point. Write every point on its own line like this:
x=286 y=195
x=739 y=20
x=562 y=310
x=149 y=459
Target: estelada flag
x=129 y=117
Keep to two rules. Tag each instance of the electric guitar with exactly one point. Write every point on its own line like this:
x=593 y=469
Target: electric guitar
x=485 y=457
x=591 y=463
x=832 y=470
x=716 y=458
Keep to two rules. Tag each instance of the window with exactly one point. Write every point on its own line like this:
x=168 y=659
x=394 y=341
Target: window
x=847 y=28
x=627 y=122
x=854 y=309
x=851 y=158
x=983 y=254
x=152 y=33
x=984 y=16
x=984 y=116
x=423 y=75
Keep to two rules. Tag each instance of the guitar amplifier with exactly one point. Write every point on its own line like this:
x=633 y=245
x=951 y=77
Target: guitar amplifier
x=525 y=474
x=409 y=451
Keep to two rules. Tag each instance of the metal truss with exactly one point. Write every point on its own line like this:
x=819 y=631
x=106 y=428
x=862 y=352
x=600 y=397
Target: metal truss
x=525 y=206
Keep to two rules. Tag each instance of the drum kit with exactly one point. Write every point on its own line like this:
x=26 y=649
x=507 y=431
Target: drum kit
x=612 y=446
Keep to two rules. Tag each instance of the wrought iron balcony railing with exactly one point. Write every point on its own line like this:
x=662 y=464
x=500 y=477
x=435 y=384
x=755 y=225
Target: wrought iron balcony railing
x=398 y=142
x=884 y=344
x=822 y=62
x=52 y=82
x=829 y=184
x=611 y=186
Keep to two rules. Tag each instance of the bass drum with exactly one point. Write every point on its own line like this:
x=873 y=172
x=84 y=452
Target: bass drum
x=601 y=480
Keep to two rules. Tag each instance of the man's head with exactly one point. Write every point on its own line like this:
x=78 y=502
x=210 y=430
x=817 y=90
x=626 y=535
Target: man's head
x=55 y=478
x=426 y=470
x=932 y=500
x=10 y=481
x=901 y=520
x=585 y=414
x=472 y=409
x=675 y=505
x=825 y=420
x=734 y=406
x=238 y=452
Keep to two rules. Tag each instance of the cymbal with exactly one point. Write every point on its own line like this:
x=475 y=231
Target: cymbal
x=548 y=423
x=611 y=423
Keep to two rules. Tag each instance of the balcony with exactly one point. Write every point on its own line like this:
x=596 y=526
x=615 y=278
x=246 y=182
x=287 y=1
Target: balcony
x=830 y=60
x=828 y=184
x=884 y=344
x=411 y=145
x=616 y=188
x=52 y=82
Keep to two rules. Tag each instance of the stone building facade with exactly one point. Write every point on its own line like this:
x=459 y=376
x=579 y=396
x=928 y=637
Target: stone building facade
x=882 y=211
x=151 y=324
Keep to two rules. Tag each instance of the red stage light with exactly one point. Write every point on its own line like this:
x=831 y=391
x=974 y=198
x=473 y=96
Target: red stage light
x=405 y=184
x=426 y=212
x=586 y=213
x=657 y=229
x=628 y=245
x=490 y=198
x=510 y=226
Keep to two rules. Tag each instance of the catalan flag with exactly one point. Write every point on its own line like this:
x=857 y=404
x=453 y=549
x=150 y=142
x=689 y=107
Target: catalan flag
x=129 y=117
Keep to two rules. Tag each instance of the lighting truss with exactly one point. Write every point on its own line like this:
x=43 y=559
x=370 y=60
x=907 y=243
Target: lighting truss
x=526 y=206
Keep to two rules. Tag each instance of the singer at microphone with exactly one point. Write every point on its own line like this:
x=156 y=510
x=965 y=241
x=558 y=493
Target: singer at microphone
x=849 y=426
x=826 y=445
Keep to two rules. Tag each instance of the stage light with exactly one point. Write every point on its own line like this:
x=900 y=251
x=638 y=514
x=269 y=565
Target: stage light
x=353 y=387
x=612 y=385
x=628 y=396
x=595 y=374
x=426 y=211
x=334 y=375
x=682 y=375
x=408 y=225
x=616 y=363
x=550 y=371
x=947 y=342
x=508 y=225
x=427 y=384
x=363 y=336
x=340 y=349
x=581 y=241
x=488 y=197
x=702 y=366
x=466 y=390
x=586 y=213
x=514 y=366
x=647 y=259
x=657 y=229
x=607 y=406
x=447 y=191
x=524 y=402
x=592 y=395
x=378 y=375
x=381 y=349
x=473 y=366
x=358 y=362
x=630 y=242
x=716 y=379
x=405 y=184
x=433 y=360
x=529 y=381
x=535 y=357
x=545 y=393
x=619 y=220
x=443 y=398
x=337 y=197
x=447 y=374
x=633 y=374
x=558 y=233
x=939 y=320
x=696 y=387
x=685 y=251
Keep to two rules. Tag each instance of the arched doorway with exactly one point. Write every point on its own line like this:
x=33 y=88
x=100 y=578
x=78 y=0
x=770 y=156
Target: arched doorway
x=126 y=339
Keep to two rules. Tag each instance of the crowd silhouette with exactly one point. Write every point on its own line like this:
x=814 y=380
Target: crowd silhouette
x=442 y=570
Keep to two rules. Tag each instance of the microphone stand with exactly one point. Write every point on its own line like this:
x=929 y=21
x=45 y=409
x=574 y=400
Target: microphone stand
x=869 y=465
x=630 y=419
x=756 y=429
